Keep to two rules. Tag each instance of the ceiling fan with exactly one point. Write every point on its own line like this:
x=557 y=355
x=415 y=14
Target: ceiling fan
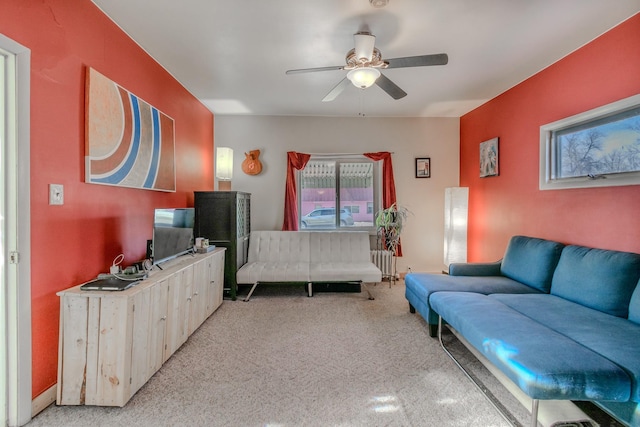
x=364 y=63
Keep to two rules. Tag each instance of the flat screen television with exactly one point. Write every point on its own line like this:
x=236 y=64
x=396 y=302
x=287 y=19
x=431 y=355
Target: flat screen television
x=172 y=233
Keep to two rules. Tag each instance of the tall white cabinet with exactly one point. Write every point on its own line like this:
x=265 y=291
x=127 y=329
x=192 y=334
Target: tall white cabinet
x=111 y=343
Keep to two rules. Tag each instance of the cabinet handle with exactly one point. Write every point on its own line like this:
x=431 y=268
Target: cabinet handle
x=163 y=318
x=189 y=299
x=196 y=294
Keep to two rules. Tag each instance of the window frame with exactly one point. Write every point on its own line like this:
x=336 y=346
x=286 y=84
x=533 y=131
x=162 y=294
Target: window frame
x=549 y=150
x=344 y=158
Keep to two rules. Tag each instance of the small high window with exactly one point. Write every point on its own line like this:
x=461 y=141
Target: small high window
x=597 y=148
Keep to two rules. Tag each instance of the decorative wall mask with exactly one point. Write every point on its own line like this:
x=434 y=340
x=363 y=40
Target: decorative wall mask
x=251 y=164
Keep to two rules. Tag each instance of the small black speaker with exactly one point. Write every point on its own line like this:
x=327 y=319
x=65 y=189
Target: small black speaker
x=149 y=248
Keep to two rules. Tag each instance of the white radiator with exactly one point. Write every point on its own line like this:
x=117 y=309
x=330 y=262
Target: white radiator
x=383 y=260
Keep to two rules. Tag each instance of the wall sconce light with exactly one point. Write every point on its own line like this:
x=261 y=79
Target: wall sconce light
x=456 y=206
x=224 y=168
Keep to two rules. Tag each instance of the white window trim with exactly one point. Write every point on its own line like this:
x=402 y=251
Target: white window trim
x=377 y=188
x=547 y=152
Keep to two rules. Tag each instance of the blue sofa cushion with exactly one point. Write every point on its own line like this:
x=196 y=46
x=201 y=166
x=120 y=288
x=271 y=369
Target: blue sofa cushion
x=542 y=362
x=475 y=268
x=531 y=261
x=605 y=334
x=419 y=287
x=597 y=278
x=634 y=305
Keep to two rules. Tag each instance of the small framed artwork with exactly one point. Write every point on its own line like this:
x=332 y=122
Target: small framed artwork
x=489 y=158
x=423 y=167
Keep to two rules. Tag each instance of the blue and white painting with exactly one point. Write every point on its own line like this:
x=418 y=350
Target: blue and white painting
x=129 y=143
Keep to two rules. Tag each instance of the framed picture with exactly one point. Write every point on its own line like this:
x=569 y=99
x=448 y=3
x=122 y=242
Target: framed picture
x=489 y=158
x=423 y=167
x=128 y=142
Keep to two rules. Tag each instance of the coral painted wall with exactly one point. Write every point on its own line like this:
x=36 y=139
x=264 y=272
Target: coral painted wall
x=601 y=72
x=73 y=243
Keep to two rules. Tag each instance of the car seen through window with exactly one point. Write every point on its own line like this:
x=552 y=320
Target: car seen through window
x=326 y=218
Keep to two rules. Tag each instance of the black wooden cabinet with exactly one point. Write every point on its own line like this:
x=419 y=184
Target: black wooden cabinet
x=224 y=217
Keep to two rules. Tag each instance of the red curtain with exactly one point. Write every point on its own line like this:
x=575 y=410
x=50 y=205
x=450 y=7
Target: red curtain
x=388 y=184
x=295 y=161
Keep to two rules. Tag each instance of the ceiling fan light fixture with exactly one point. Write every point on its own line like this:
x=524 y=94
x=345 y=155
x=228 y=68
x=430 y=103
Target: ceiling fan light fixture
x=378 y=3
x=363 y=77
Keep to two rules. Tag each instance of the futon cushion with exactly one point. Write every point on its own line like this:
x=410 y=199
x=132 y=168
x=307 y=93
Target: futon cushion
x=339 y=246
x=344 y=271
x=276 y=271
x=542 y=362
x=597 y=278
x=420 y=286
x=634 y=305
x=278 y=246
x=605 y=334
x=531 y=261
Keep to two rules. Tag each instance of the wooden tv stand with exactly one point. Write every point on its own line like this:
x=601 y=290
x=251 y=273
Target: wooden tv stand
x=111 y=343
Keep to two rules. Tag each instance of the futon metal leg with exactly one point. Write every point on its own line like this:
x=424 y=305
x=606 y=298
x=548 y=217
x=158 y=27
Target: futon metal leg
x=310 y=289
x=534 y=412
x=253 y=288
x=490 y=397
x=366 y=288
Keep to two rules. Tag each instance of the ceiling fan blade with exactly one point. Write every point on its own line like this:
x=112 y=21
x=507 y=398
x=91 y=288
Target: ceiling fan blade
x=337 y=90
x=390 y=87
x=418 y=61
x=313 y=70
x=364 y=44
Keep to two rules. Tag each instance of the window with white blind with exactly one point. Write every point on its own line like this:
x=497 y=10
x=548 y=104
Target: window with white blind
x=350 y=184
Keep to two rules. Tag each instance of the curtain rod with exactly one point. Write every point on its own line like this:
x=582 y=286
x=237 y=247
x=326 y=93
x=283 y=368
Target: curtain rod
x=339 y=154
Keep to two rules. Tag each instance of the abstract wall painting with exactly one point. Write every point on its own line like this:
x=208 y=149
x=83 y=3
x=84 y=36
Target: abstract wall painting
x=489 y=158
x=128 y=142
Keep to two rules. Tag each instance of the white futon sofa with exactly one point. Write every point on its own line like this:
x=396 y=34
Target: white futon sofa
x=308 y=257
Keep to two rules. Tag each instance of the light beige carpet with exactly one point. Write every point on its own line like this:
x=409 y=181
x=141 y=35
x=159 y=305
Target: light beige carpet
x=284 y=359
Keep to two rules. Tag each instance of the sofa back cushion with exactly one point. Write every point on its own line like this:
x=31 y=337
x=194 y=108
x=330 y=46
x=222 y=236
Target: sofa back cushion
x=597 y=278
x=274 y=246
x=340 y=246
x=634 y=305
x=531 y=261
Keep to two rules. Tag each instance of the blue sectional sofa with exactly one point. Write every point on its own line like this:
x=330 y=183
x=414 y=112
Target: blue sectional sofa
x=527 y=267
x=562 y=322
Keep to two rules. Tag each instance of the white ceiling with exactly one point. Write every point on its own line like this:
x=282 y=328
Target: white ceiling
x=233 y=54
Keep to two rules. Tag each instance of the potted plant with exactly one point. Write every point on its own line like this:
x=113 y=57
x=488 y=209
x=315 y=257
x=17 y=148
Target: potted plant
x=389 y=223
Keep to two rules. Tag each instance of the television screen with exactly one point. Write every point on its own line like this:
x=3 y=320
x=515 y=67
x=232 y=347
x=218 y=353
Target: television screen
x=172 y=233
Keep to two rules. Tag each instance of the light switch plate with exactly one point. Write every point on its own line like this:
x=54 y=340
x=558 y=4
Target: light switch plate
x=56 y=194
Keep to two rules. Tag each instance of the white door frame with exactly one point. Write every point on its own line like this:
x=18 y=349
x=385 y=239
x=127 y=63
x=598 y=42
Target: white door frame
x=16 y=255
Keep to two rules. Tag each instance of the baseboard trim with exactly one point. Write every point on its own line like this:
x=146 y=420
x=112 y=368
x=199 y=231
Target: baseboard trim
x=42 y=401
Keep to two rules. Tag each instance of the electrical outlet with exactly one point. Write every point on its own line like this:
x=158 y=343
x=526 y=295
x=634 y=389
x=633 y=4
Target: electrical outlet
x=56 y=194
